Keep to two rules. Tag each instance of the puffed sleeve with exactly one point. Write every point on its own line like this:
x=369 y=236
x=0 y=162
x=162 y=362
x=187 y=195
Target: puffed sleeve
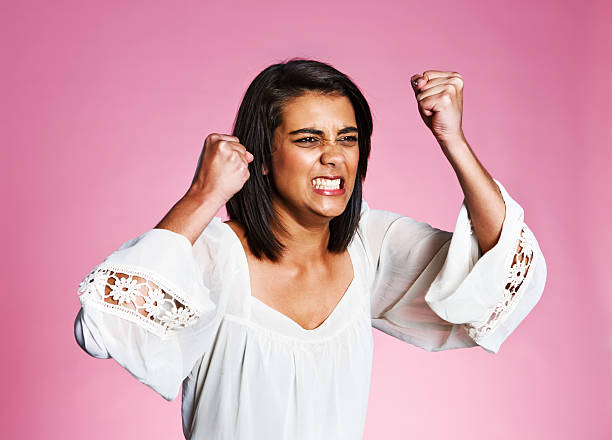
x=435 y=289
x=153 y=306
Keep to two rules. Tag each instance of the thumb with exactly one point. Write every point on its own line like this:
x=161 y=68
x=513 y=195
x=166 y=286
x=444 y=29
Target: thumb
x=249 y=157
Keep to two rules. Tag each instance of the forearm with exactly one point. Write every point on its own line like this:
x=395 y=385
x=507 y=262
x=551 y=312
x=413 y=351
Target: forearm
x=190 y=215
x=483 y=199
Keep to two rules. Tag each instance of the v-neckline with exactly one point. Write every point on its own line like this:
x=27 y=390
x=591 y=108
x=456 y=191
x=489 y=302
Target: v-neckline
x=271 y=309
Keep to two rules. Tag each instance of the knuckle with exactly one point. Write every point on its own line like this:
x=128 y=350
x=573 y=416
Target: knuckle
x=218 y=149
x=237 y=157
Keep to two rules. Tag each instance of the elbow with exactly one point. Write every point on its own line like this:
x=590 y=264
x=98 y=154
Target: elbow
x=86 y=338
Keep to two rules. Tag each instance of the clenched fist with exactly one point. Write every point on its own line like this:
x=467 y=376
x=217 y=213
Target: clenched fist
x=440 y=100
x=222 y=169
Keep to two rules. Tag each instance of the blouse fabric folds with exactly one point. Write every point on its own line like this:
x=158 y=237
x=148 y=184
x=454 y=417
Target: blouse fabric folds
x=174 y=314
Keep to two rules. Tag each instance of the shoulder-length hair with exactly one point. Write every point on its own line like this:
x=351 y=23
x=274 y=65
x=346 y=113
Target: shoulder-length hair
x=258 y=117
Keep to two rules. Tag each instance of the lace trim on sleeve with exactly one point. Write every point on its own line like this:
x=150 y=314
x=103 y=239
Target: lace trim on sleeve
x=517 y=279
x=138 y=296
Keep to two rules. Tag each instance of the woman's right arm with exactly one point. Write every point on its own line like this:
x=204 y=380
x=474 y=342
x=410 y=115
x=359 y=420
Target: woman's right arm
x=221 y=172
x=147 y=304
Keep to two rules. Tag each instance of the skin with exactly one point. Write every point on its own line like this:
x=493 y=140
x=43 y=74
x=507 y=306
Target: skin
x=298 y=158
x=308 y=280
x=439 y=97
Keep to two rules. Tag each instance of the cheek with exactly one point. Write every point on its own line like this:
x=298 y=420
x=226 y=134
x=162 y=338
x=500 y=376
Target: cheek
x=290 y=164
x=290 y=167
x=354 y=161
x=284 y=164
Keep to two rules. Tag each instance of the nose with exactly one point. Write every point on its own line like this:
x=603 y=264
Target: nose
x=332 y=154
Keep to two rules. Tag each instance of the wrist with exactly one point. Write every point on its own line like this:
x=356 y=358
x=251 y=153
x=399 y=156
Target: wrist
x=454 y=146
x=204 y=197
x=190 y=215
x=454 y=141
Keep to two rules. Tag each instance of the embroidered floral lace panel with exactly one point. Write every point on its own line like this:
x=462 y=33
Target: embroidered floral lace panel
x=138 y=296
x=517 y=279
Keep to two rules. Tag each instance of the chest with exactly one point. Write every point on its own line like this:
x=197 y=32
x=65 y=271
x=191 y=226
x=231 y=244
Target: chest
x=307 y=296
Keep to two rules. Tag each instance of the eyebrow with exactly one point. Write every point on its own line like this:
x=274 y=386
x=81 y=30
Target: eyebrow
x=311 y=130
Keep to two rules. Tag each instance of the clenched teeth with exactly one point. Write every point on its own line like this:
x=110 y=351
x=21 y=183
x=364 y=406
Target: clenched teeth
x=322 y=183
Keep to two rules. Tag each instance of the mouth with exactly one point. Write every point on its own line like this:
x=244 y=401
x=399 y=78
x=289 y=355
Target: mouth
x=328 y=185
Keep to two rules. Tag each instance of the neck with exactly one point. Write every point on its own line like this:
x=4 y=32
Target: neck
x=305 y=237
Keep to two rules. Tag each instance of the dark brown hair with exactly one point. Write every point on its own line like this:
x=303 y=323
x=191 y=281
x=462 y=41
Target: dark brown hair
x=256 y=121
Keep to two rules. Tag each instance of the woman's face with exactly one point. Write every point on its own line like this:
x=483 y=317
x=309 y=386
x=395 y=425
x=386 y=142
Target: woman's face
x=315 y=156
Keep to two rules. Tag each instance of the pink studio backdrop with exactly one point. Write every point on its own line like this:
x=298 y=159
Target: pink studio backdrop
x=106 y=107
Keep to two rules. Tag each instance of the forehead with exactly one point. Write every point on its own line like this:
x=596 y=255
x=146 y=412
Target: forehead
x=318 y=110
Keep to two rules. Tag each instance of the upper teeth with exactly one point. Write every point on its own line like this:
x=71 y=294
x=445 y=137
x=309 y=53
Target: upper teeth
x=322 y=183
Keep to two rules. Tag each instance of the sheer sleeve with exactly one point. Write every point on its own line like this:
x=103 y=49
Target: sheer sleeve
x=434 y=289
x=152 y=305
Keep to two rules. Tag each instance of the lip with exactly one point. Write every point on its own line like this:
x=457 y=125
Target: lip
x=329 y=177
x=330 y=192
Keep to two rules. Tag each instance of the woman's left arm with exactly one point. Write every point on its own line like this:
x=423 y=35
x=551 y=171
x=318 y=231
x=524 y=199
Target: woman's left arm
x=439 y=290
x=440 y=101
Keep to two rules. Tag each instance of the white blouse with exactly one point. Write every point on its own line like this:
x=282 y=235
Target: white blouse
x=185 y=315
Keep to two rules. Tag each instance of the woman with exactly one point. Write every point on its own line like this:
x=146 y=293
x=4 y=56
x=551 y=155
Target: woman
x=266 y=319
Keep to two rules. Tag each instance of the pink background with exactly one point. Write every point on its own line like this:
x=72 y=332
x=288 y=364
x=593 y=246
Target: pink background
x=106 y=107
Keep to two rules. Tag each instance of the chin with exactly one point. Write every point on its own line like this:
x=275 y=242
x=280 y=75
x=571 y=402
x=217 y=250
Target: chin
x=331 y=207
